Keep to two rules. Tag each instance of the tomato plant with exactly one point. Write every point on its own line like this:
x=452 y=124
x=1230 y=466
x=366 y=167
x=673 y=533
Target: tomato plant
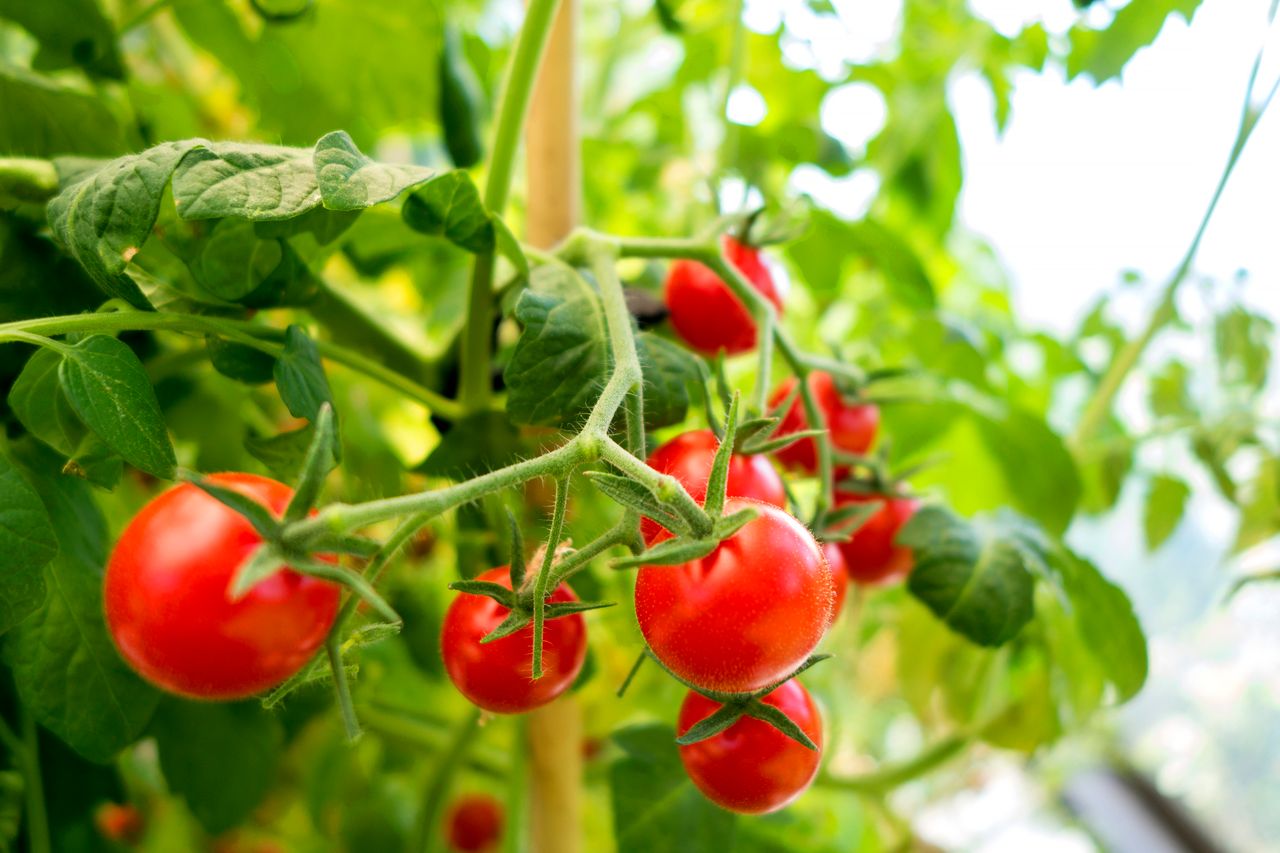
x=287 y=239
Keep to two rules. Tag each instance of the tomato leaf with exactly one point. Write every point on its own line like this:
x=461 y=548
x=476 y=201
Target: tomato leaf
x=349 y=180
x=27 y=544
x=220 y=758
x=1166 y=500
x=316 y=466
x=234 y=261
x=300 y=375
x=110 y=391
x=245 y=180
x=239 y=361
x=655 y=806
x=635 y=495
x=449 y=206
x=978 y=583
x=1106 y=623
x=282 y=454
x=96 y=703
x=669 y=371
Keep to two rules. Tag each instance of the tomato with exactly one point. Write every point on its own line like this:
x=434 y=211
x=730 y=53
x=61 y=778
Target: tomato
x=839 y=576
x=688 y=458
x=498 y=676
x=169 y=609
x=747 y=614
x=474 y=823
x=870 y=554
x=119 y=823
x=706 y=313
x=852 y=425
x=751 y=767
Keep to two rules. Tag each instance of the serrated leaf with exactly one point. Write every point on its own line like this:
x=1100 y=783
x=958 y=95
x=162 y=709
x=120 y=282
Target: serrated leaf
x=349 y=180
x=655 y=806
x=96 y=703
x=1166 y=500
x=245 y=180
x=979 y=585
x=304 y=388
x=220 y=758
x=110 y=391
x=27 y=544
x=557 y=368
x=449 y=206
x=105 y=217
x=669 y=371
x=239 y=361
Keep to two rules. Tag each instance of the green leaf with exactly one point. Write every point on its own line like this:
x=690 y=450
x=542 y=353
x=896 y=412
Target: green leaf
x=221 y=758
x=474 y=445
x=239 y=361
x=46 y=116
x=1107 y=624
x=1037 y=466
x=1260 y=506
x=979 y=585
x=351 y=181
x=655 y=806
x=105 y=217
x=1169 y=396
x=449 y=206
x=95 y=703
x=669 y=371
x=1243 y=344
x=27 y=544
x=300 y=375
x=1166 y=500
x=234 y=262
x=70 y=33
x=110 y=391
x=316 y=465
x=1102 y=54
x=283 y=454
x=557 y=368
x=245 y=180
x=635 y=495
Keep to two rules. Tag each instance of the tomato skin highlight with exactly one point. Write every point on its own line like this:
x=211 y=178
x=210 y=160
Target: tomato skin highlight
x=870 y=555
x=169 y=610
x=498 y=676
x=748 y=613
x=688 y=458
x=706 y=313
x=751 y=767
x=839 y=576
x=852 y=426
x=474 y=823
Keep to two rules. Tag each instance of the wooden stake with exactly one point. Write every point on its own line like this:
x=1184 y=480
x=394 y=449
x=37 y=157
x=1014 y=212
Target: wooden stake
x=554 y=209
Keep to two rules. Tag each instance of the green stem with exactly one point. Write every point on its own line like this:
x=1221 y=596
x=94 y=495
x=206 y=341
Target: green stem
x=263 y=338
x=522 y=72
x=37 y=815
x=350 y=723
x=438 y=783
x=619 y=534
x=890 y=776
x=541 y=585
x=1099 y=407
x=429 y=735
x=737 y=57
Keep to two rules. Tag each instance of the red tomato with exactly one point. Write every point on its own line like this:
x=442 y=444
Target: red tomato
x=839 y=576
x=120 y=823
x=474 y=823
x=870 y=555
x=688 y=458
x=498 y=676
x=706 y=313
x=745 y=615
x=168 y=605
x=751 y=767
x=852 y=425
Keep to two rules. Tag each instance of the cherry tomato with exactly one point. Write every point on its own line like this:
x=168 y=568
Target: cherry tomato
x=119 y=823
x=474 y=823
x=751 y=767
x=169 y=609
x=706 y=313
x=688 y=458
x=498 y=676
x=870 y=555
x=852 y=425
x=747 y=614
x=839 y=576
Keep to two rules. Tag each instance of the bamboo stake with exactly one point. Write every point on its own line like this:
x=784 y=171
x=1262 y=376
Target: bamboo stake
x=554 y=209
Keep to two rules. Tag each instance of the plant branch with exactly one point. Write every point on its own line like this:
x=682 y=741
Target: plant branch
x=440 y=778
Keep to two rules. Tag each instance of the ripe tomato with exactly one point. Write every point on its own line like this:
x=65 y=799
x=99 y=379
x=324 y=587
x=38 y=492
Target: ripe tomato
x=474 y=823
x=870 y=555
x=169 y=609
x=751 y=767
x=839 y=576
x=498 y=676
x=852 y=425
x=688 y=458
x=706 y=313
x=120 y=823
x=745 y=615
